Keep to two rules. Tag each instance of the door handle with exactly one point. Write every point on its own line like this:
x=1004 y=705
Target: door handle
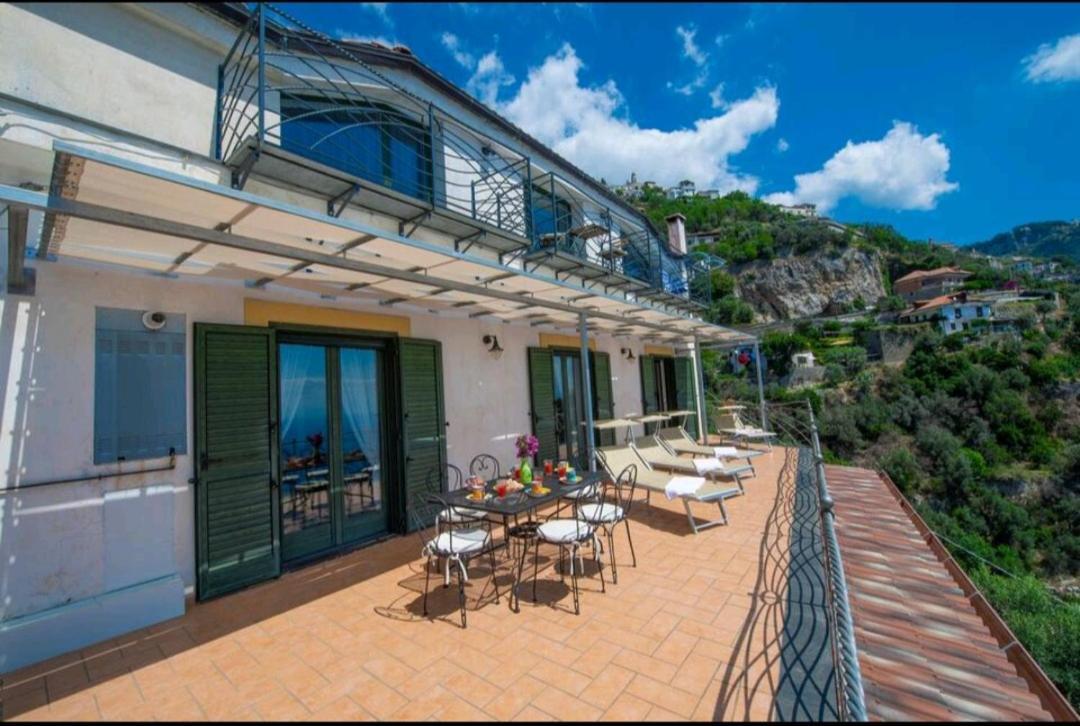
x=273 y=483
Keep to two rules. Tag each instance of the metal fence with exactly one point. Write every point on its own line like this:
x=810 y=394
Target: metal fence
x=795 y=426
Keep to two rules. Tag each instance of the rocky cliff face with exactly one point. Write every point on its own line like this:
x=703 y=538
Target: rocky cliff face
x=822 y=283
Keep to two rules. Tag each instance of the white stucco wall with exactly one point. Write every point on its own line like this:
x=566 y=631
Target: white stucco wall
x=56 y=539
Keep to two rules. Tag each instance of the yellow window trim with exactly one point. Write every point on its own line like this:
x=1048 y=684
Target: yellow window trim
x=265 y=312
x=665 y=350
x=554 y=340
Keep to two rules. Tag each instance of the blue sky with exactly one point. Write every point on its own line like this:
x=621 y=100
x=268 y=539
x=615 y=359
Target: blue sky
x=952 y=122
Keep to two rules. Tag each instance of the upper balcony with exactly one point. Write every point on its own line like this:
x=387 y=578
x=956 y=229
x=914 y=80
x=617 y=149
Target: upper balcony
x=298 y=108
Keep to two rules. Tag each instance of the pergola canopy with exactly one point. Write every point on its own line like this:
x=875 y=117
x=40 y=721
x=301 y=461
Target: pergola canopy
x=111 y=210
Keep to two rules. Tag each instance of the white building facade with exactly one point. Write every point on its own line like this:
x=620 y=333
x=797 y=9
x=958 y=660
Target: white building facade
x=238 y=333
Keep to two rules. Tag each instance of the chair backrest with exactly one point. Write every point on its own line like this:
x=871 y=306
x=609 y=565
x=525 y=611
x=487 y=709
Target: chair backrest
x=622 y=489
x=484 y=465
x=424 y=505
x=455 y=479
x=671 y=433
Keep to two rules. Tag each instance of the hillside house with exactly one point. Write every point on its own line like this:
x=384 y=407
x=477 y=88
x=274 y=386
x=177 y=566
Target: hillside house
x=929 y=284
x=952 y=313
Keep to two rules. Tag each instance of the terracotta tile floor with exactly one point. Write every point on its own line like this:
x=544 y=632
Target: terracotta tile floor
x=681 y=636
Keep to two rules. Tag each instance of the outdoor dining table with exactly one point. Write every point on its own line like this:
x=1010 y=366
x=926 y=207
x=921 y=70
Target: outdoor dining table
x=519 y=503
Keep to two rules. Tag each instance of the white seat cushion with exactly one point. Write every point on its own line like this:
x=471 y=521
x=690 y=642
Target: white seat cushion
x=600 y=513
x=558 y=531
x=460 y=542
x=460 y=514
x=583 y=493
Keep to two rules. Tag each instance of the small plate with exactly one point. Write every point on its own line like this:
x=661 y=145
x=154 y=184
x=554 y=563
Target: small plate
x=542 y=493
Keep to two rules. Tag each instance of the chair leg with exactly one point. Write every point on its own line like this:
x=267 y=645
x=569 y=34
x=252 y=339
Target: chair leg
x=536 y=564
x=494 y=582
x=461 y=591
x=690 y=515
x=574 y=585
x=629 y=539
x=446 y=573
x=597 y=547
x=427 y=581
x=610 y=532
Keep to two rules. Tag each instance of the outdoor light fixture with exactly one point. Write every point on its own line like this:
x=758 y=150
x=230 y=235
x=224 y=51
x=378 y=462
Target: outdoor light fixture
x=492 y=342
x=627 y=353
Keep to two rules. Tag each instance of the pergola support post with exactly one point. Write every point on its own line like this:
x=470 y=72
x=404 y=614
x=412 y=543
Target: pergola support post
x=20 y=278
x=760 y=386
x=699 y=373
x=586 y=379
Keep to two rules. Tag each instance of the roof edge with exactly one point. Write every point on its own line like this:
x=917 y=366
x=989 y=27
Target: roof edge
x=1026 y=666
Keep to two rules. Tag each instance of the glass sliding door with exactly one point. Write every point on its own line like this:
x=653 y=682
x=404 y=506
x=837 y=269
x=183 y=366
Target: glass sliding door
x=365 y=511
x=306 y=517
x=569 y=410
x=332 y=446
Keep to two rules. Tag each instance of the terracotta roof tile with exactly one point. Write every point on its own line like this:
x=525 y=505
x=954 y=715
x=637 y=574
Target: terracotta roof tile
x=924 y=650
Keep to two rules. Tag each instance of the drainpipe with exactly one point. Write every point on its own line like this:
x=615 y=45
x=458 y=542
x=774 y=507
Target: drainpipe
x=760 y=386
x=586 y=379
x=699 y=373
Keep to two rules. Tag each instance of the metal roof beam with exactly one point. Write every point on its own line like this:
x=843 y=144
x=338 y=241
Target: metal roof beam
x=182 y=230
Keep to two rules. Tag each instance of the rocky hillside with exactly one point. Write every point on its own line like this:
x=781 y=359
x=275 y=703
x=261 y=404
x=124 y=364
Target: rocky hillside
x=825 y=282
x=1038 y=239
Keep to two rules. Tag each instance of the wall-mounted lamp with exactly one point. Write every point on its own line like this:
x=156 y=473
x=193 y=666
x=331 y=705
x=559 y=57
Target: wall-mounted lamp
x=492 y=343
x=627 y=353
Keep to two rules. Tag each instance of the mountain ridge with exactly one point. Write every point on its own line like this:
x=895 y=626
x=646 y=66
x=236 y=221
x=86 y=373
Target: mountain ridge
x=1036 y=239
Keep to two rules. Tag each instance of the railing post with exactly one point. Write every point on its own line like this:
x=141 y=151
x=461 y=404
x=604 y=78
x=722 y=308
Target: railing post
x=217 y=110
x=530 y=220
x=262 y=74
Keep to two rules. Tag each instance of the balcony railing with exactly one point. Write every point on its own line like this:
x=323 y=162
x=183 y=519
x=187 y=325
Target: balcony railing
x=796 y=426
x=286 y=88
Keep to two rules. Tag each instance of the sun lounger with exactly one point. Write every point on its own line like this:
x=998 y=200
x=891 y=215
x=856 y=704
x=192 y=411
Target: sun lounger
x=657 y=457
x=732 y=425
x=616 y=458
x=677 y=441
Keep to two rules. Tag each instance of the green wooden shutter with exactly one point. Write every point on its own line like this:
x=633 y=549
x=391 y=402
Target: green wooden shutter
x=649 y=401
x=685 y=393
x=605 y=405
x=542 y=402
x=237 y=521
x=423 y=419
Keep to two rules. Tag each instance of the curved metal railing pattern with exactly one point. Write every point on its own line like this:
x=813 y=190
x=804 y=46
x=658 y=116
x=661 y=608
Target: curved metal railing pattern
x=796 y=425
x=285 y=84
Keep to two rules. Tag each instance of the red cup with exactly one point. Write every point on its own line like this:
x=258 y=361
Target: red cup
x=500 y=489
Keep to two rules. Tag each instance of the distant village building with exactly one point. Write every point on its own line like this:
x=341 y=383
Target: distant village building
x=705 y=237
x=683 y=190
x=800 y=210
x=1022 y=265
x=952 y=313
x=709 y=193
x=631 y=189
x=928 y=284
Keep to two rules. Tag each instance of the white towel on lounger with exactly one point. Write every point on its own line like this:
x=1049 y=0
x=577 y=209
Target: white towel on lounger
x=725 y=451
x=704 y=466
x=681 y=485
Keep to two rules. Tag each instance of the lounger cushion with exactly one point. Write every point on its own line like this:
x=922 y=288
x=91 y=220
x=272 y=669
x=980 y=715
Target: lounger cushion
x=559 y=531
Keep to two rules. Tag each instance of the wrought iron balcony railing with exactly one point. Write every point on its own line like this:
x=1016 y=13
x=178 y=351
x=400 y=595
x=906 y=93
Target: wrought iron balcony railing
x=286 y=88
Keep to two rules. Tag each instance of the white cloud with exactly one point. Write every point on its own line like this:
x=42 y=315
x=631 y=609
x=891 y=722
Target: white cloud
x=721 y=39
x=690 y=48
x=586 y=124
x=716 y=97
x=782 y=145
x=381 y=10
x=1057 y=62
x=902 y=170
x=488 y=78
x=688 y=89
x=353 y=38
x=452 y=44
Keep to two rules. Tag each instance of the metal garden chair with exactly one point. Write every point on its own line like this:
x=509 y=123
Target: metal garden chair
x=613 y=507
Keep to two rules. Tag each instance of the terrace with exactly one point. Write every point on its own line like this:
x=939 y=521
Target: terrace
x=747 y=621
